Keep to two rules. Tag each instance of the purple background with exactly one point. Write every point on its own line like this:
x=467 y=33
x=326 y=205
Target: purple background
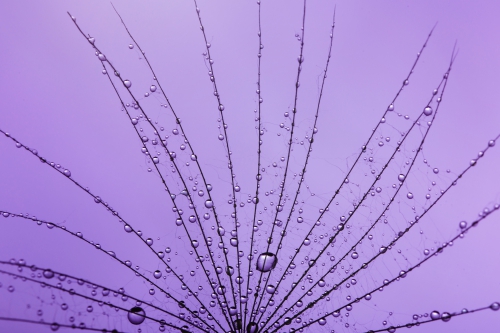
x=55 y=99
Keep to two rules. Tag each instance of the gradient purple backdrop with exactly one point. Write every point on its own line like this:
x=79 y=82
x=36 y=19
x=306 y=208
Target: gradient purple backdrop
x=55 y=99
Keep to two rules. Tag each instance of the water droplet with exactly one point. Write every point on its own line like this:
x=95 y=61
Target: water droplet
x=428 y=111
x=127 y=83
x=195 y=243
x=445 y=317
x=266 y=262
x=67 y=173
x=149 y=241
x=435 y=315
x=101 y=57
x=157 y=274
x=463 y=224
x=401 y=177
x=209 y=204
x=252 y=327
x=270 y=289
x=48 y=274
x=409 y=195
x=136 y=315
x=354 y=255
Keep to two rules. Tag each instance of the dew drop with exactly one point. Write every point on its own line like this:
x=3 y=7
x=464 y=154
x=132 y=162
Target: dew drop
x=136 y=315
x=48 y=274
x=266 y=262
x=435 y=315
x=428 y=111
x=445 y=317
x=252 y=327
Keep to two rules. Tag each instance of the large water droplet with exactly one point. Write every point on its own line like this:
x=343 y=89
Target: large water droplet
x=127 y=83
x=136 y=315
x=252 y=327
x=270 y=289
x=428 y=111
x=435 y=315
x=48 y=274
x=266 y=262
x=446 y=316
